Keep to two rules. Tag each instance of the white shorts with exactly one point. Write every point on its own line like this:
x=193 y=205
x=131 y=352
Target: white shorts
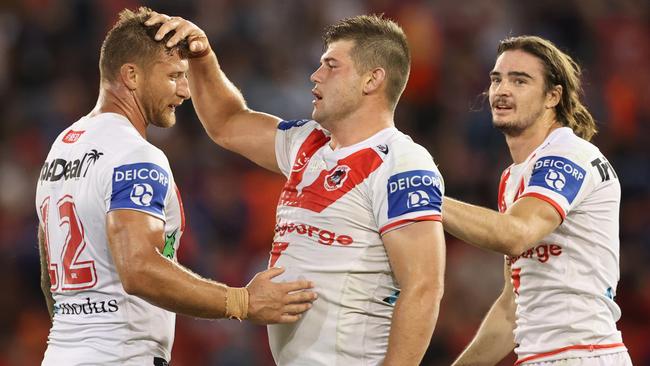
x=611 y=359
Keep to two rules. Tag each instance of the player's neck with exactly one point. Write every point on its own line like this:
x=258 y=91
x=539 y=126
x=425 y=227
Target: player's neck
x=359 y=126
x=523 y=144
x=114 y=98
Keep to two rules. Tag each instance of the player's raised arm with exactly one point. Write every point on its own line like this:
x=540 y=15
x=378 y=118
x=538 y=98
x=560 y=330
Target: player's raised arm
x=218 y=103
x=494 y=338
x=417 y=257
x=136 y=241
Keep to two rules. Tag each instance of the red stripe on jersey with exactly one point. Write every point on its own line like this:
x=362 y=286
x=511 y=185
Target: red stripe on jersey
x=313 y=142
x=557 y=207
x=520 y=190
x=590 y=347
x=398 y=223
x=501 y=201
x=331 y=184
x=180 y=205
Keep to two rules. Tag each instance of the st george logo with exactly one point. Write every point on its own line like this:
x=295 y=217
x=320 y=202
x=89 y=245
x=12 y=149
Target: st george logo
x=141 y=194
x=555 y=180
x=335 y=179
x=417 y=199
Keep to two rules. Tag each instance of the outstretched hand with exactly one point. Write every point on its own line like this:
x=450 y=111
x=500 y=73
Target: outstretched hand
x=184 y=29
x=278 y=302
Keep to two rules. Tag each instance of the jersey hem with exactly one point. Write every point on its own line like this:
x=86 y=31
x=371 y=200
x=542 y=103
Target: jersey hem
x=541 y=357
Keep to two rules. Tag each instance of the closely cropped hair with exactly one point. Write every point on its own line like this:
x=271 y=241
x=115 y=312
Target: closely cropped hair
x=131 y=41
x=379 y=42
x=559 y=69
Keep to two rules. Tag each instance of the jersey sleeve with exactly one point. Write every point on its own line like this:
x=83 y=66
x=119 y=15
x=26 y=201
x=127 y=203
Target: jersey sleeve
x=409 y=189
x=140 y=180
x=288 y=138
x=560 y=178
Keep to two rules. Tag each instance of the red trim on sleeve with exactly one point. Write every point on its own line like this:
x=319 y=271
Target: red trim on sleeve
x=557 y=207
x=398 y=223
x=590 y=347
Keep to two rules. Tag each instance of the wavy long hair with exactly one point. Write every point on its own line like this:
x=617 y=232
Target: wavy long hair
x=560 y=69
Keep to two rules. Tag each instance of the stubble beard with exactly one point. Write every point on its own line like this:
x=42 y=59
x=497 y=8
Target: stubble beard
x=158 y=116
x=327 y=119
x=164 y=120
x=517 y=127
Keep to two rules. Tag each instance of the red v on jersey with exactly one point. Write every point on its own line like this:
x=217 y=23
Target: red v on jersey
x=502 y=190
x=330 y=185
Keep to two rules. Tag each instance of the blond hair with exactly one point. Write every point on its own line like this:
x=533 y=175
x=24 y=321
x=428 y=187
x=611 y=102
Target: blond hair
x=131 y=41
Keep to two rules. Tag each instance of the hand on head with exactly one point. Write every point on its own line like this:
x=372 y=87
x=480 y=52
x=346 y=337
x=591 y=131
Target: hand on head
x=184 y=30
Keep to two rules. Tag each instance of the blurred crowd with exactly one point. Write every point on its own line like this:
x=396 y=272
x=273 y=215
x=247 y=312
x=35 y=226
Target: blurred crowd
x=49 y=52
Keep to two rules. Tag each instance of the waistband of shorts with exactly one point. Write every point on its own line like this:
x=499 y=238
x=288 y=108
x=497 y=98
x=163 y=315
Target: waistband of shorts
x=589 y=349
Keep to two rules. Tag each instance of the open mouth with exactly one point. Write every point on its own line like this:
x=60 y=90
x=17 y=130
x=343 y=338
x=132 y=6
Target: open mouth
x=317 y=95
x=502 y=106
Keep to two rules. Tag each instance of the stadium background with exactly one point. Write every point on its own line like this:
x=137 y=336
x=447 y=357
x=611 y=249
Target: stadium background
x=48 y=79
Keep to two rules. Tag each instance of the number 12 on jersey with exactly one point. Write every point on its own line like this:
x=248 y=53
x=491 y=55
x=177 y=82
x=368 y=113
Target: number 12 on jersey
x=65 y=269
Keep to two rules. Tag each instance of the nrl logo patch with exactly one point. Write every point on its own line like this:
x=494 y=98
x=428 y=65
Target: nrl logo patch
x=336 y=178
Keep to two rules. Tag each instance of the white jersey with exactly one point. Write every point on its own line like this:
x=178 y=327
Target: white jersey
x=97 y=165
x=331 y=215
x=565 y=285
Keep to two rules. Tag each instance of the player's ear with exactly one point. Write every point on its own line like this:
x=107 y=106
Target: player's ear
x=374 y=80
x=129 y=75
x=553 y=96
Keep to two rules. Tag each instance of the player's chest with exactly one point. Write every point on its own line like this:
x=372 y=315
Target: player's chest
x=320 y=181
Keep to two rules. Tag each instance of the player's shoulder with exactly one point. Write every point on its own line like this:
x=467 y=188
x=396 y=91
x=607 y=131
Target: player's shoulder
x=401 y=150
x=292 y=132
x=116 y=137
x=124 y=142
x=564 y=143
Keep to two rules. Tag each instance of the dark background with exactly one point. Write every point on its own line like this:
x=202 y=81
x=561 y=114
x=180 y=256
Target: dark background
x=49 y=51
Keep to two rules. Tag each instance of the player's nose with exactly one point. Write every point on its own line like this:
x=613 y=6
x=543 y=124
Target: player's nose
x=315 y=76
x=183 y=89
